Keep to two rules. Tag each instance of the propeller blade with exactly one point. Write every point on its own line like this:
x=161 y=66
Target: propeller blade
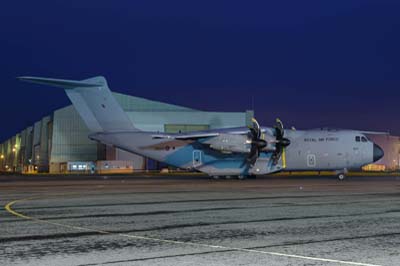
x=256 y=127
x=279 y=129
x=281 y=142
x=253 y=133
x=257 y=144
x=277 y=156
x=253 y=157
x=253 y=151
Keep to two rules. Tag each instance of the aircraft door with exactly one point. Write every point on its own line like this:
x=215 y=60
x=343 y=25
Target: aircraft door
x=360 y=150
x=347 y=158
x=197 y=158
x=365 y=150
x=311 y=160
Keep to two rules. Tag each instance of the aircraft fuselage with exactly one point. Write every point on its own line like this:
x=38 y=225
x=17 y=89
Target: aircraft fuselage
x=318 y=149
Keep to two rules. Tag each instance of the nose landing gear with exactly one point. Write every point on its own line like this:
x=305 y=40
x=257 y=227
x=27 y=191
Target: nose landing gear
x=341 y=176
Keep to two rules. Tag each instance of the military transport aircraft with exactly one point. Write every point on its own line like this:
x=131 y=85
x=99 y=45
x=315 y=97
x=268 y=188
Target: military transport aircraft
x=240 y=152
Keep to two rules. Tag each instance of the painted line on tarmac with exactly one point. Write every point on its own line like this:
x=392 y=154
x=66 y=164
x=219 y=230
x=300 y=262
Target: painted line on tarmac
x=9 y=209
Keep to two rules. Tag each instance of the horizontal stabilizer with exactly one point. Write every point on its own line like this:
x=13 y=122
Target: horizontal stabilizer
x=61 y=83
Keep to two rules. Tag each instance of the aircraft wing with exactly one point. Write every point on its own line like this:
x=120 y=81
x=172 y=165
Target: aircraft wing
x=201 y=134
x=186 y=136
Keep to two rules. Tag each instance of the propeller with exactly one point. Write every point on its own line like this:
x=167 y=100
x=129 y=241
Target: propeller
x=281 y=141
x=257 y=143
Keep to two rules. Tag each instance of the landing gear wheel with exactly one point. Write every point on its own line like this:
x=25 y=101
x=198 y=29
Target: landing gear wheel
x=216 y=177
x=241 y=177
x=341 y=176
x=228 y=177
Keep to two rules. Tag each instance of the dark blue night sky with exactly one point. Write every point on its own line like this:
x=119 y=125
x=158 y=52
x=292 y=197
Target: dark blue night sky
x=311 y=63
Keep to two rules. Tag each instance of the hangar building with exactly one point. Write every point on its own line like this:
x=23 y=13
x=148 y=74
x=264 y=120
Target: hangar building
x=58 y=143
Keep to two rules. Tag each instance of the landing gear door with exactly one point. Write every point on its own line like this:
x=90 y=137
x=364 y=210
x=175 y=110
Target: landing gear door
x=197 y=158
x=265 y=166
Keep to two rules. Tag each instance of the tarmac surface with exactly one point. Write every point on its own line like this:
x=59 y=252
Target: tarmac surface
x=199 y=221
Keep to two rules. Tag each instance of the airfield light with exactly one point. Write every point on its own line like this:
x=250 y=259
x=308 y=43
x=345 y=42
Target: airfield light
x=2 y=156
x=14 y=150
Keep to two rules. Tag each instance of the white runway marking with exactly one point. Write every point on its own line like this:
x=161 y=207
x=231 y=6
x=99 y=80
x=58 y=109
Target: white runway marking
x=9 y=209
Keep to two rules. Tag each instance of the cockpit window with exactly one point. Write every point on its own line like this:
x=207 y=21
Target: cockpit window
x=358 y=138
x=364 y=139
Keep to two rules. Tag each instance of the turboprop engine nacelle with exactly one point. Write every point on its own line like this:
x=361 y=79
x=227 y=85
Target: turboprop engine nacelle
x=230 y=143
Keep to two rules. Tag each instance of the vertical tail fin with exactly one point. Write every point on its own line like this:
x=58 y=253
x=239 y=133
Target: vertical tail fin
x=94 y=102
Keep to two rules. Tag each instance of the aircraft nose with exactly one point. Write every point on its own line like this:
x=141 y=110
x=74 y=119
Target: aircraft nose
x=378 y=153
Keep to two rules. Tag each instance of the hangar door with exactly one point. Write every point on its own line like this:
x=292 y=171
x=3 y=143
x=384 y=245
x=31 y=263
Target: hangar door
x=182 y=128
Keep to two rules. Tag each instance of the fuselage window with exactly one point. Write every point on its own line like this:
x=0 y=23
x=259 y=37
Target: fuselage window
x=364 y=139
x=358 y=138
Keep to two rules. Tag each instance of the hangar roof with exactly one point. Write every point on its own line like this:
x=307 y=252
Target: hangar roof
x=131 y=103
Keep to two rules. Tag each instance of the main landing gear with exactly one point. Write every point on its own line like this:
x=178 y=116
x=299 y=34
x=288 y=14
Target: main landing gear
x=239 y=177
